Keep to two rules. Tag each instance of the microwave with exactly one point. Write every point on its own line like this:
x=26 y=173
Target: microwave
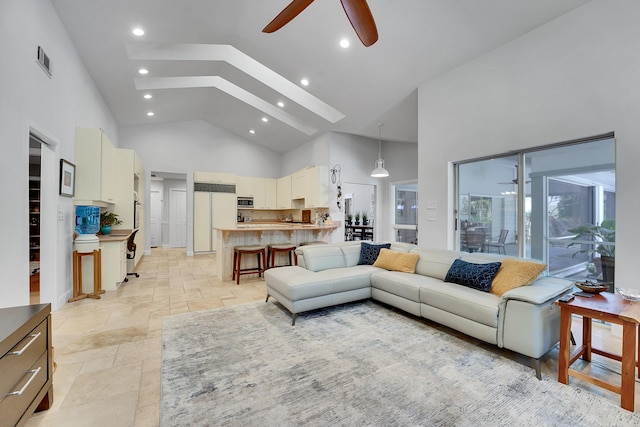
x=245 y=202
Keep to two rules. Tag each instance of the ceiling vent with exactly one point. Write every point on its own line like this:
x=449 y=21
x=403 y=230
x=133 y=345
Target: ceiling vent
x=44 y=61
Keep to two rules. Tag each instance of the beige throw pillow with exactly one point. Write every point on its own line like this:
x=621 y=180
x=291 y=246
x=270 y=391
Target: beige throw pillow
x=397 y=261
x=514 y=273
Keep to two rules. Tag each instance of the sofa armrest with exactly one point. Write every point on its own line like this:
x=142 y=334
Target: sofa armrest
x=541 y=290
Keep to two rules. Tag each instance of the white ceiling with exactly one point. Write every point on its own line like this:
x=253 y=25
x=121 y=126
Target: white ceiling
x=418 y=40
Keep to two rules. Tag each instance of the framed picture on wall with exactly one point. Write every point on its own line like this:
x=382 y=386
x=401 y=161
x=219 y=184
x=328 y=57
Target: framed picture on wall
x=67 y=178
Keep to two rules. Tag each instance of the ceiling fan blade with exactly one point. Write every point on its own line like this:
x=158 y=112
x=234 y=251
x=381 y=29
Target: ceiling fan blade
x=361 y=20
x=288 y=13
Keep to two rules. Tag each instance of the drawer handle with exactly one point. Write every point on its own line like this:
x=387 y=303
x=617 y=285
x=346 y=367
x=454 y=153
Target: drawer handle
x=33 y=372
x=33 y=338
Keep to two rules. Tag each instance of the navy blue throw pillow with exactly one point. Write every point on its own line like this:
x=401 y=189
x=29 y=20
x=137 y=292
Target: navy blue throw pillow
x=369 y=253
x=475 y=276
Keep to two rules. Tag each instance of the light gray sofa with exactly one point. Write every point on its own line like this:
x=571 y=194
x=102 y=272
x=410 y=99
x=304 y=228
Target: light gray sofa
x=524 y=320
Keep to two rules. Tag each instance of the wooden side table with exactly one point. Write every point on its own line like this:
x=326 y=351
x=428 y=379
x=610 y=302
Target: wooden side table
x=609 y=308
x=77 y=275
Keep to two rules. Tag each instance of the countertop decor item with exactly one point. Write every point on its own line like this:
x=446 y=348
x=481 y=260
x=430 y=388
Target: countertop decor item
x=107 y=220
x=592 y=288
x=630 y=294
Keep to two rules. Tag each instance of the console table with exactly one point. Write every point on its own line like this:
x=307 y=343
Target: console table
x=358 y=232
x=609 y=308
x=26 y=362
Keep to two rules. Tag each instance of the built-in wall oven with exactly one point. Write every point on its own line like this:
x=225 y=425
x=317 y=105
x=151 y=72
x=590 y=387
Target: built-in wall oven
x=245 y=202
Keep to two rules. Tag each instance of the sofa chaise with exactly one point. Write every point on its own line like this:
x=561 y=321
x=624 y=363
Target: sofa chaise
x=523 y=319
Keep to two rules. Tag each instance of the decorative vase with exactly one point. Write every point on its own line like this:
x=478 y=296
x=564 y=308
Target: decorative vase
x=608 y=268
x=105 y=229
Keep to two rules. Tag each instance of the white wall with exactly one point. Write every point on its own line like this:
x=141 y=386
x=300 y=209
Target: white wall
x=576 y=76
x=53 y=108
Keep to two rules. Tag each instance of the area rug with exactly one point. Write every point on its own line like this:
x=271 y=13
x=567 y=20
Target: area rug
x=358 y=364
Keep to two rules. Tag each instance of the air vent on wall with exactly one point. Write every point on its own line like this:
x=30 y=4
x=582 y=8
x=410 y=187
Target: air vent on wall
x=44 y=61
x=214 y=188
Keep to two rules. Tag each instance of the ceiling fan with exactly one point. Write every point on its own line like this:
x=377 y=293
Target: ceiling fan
x=357 y=11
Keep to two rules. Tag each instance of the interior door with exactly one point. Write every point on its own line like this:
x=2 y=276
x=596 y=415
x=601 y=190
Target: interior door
x=155 y=218
x=178 y=220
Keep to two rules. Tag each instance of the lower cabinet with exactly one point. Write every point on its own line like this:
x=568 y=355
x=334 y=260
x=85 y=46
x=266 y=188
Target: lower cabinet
x=26 y=362
x=114 y=263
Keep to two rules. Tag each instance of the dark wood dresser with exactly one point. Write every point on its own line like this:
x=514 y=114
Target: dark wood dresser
x=26 y=362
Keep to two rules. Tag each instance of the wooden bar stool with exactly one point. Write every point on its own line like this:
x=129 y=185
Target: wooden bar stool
x=274 y=248
x=77 y=275
x=238 y=251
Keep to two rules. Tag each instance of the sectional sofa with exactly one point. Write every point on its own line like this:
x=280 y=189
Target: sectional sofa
x=523 y=319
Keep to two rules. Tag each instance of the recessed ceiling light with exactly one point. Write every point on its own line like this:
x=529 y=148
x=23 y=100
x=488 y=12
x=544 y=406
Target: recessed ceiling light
x=150 y=113
x=148 y=96
x=138 y=32
x=143 y=71
x=280 y=104
x=252 y=131
x=344 y=43
x=264 y=119
x=304 y=82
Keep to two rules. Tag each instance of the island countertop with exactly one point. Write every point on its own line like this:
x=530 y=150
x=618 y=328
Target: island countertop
x=284 y=226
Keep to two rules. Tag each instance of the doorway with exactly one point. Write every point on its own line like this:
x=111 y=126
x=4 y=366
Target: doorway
x=35 y=206
x=168 y=210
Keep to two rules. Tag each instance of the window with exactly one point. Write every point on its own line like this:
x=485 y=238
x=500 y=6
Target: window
x=405 y=212
x=538 y=198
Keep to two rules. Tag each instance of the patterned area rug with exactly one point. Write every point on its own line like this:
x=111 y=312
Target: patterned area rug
x=353 y=365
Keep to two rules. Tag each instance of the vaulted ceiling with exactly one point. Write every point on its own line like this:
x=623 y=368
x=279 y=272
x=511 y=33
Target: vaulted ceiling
x=209 y=60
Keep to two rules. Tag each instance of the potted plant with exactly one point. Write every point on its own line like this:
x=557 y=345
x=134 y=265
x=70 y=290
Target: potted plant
x=605 y=233
x=365 y=219
x=357 y=218
x=107 y=220
x=349 y=219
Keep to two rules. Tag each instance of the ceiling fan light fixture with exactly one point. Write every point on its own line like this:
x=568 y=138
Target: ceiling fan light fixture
x=379 y=171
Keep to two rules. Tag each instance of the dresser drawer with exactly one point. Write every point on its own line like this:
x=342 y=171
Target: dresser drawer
x=12 y=407
x=22 y=357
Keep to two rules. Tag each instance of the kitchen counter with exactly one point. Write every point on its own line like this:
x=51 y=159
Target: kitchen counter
x=264 y=233
x=115 y=236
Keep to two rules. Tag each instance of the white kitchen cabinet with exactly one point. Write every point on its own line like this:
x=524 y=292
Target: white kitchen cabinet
x=299 y=184
x=114 y=263
x=283 y=192
x=124 y=179
x=264 y=193
x=245 y=186
x=317 y=187
x=96 y=163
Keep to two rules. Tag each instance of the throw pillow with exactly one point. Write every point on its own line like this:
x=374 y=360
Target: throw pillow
x=515 y=273
x=397 y=261
x=475 y=276
x=369 y=252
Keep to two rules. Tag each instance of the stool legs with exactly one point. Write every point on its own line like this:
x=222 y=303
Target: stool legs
x=237 y=263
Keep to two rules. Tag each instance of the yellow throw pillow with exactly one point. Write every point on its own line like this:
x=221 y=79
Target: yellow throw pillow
x=397 y=261
x=514 y=273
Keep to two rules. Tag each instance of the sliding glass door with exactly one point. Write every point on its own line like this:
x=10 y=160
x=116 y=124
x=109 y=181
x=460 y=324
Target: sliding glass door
x=532 y=204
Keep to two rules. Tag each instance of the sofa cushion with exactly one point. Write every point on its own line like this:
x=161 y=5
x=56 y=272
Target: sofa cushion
x=434 y=262
x=514 y=273
x=369 y=252
x=475 y=276
x=481 y=307
x=323 y=257
x=297 y=283
x=396 y=261
x=405 y=285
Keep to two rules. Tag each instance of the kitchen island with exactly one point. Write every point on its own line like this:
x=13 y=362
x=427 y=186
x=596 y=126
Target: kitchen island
x=255 y=233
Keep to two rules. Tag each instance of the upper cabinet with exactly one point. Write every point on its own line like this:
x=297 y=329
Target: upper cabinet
x=96 y=165
x=310 y=188
x=283 y=192
x=264 y=193
x=214 y=177
x=245 y=186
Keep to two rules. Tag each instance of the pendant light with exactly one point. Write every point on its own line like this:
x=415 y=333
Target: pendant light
x=379 y=171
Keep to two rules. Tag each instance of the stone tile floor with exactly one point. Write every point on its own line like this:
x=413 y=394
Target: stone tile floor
x=108 y=351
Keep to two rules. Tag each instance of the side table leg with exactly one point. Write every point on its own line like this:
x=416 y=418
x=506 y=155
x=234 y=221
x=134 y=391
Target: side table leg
x=628 y=365
x=563 y=356
x=586 y=338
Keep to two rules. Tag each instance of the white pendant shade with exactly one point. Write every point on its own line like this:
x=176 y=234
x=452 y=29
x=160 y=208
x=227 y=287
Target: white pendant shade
x=379 y=171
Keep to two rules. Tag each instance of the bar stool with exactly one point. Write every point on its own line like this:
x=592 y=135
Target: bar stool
x=77 y=275
x=274 y=248
x=238 y=251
